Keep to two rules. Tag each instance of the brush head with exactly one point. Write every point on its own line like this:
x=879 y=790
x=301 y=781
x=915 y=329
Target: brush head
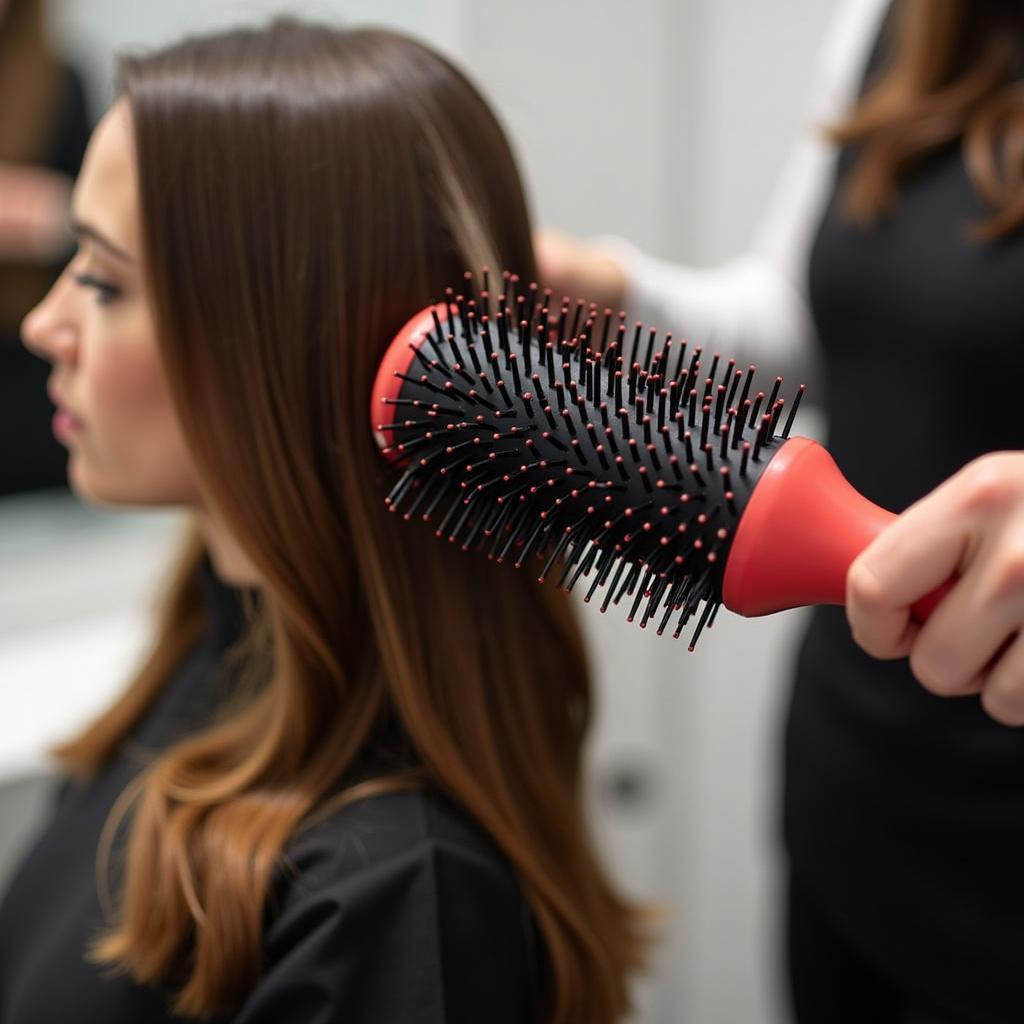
x=561 y=438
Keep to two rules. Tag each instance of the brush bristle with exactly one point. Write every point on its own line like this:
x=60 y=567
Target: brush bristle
x=552 y=433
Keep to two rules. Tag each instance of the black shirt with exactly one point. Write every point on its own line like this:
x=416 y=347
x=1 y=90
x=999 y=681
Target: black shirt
x=400 y=908
x=905 y=811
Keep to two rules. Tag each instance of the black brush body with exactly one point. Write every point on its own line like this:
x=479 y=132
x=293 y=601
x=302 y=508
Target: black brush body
x=559 y=438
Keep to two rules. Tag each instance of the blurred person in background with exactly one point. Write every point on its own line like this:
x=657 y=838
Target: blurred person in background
x=891 y=258
x=44 y=128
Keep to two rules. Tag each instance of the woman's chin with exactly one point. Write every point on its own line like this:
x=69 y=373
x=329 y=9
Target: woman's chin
x=88 y=485
x=154 y=480
x=96 y=487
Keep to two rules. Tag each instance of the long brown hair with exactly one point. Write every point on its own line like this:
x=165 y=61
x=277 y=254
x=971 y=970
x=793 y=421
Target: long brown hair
x=951 y=72
x=304 y=190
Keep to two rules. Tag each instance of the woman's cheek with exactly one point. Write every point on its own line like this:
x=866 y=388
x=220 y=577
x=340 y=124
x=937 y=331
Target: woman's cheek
x=139 y=428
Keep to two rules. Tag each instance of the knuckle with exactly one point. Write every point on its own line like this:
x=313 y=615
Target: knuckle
x=935 y=672
x=1009 y=569
x=989 y=487
x=864 y=588
x=1004 y=703
x=1010 y=580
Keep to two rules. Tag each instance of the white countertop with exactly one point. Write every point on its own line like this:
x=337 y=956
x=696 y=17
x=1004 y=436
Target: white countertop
x=76 y=589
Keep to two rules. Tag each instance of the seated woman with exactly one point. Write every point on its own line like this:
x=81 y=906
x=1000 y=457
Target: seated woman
x=345 y=785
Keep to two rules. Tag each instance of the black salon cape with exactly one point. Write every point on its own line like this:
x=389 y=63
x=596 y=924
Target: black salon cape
x=402 y=910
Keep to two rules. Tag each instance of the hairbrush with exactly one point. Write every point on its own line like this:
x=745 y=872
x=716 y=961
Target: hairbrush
x=529 y=429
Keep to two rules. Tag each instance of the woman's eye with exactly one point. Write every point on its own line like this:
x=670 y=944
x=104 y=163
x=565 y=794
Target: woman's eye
x=105 y=291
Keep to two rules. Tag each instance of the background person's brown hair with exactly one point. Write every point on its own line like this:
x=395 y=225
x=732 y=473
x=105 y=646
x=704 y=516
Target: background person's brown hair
x=30 y=80
x=952 y=71
x=303 y=191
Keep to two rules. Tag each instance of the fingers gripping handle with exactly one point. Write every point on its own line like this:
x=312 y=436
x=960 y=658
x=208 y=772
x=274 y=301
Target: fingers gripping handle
x=802 y=529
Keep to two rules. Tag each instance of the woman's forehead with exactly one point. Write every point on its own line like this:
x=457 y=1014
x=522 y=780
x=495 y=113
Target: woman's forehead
x=105 y=194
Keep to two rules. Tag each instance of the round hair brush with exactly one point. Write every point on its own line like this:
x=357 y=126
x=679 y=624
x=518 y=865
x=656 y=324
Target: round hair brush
x=653 y=473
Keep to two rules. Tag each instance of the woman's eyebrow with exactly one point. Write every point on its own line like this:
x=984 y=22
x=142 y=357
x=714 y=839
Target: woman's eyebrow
x=84 y=230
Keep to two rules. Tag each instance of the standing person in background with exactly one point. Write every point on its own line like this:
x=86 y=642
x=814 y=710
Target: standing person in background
x=44 y=128
x=891 y=260
x=346 y=784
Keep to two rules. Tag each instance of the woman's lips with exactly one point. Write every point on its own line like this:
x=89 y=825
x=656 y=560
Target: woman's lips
x=65 y=422
x=65 y=425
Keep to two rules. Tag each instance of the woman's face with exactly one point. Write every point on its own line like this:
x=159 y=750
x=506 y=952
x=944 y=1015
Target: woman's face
x=114 y=411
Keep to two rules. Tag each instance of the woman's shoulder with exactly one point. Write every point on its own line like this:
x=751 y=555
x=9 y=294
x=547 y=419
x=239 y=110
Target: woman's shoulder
x=400 y=907
x=376 y=830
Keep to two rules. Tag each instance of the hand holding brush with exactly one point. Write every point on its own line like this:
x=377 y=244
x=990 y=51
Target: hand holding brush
x=661 y=475
x=971 y=527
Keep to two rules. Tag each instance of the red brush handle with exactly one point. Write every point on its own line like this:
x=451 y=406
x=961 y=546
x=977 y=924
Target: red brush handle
x=802 y=528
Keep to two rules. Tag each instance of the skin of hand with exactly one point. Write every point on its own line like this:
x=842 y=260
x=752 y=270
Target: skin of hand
x=34 y=208
x=569 y=266
x=972 y=528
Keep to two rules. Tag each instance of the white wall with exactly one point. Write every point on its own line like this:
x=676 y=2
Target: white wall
x=666 y=121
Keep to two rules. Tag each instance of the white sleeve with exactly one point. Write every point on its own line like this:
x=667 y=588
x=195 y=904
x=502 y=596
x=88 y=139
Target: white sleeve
x=754 y=306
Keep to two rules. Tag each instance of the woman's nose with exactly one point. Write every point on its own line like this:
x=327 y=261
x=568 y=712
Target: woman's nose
x=48 y=329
